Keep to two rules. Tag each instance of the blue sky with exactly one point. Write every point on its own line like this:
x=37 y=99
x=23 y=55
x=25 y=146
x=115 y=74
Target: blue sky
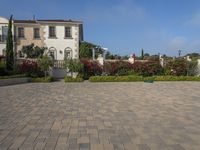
x=123 y=26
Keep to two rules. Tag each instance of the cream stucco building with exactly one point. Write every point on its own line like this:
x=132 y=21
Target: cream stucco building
x=60 y=37
x=3 y=34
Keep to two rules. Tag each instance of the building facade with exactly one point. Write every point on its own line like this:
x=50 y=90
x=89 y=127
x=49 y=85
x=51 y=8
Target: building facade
x=60 y=37
x=27 y=32
x=3 y=34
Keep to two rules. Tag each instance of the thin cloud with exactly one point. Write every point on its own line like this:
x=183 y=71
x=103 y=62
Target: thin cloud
x=118 y=12
x=194 y=20
x=195 y=45
x=177 y=43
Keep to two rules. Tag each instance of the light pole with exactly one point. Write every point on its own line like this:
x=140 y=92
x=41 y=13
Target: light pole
x=179 y=53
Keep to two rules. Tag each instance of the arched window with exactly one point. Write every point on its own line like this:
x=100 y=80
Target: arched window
x=53 y=53
x=68 y=53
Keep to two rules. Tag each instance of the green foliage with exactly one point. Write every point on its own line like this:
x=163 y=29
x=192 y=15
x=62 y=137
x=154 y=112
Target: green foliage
x=108 y=55
x=43 y=79
x=44 y=63
x=70 y=79
x=2 y=63
x=120 y=68
x=13 y=76
x=148 y=78
x=177 y=67
x=194 y=56
x=115 y=78
x=192 y=68
x=74 y=65
x=9 y=48
x=32 y=51
x=148 y=68
x=146 y=54
x=85 y=50
x=176 y=78
x=140 y=78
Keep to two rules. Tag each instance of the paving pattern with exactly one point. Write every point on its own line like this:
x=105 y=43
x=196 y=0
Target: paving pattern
x=100 y=116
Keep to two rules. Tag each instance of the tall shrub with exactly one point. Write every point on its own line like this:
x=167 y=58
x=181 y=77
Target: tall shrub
x=9 y=47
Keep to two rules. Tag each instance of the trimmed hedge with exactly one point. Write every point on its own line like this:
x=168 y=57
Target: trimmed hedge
x=176 y=78
x=140 y=78
x=43 y=79
x=115 y=78
x=70 y=79
x=13 y=76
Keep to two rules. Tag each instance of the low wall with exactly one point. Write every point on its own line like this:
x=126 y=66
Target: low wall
x=12 y=81
x=59 y=73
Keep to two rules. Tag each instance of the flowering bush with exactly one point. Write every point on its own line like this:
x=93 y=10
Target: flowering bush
x=177 y=67
x=147 y=68
x=117 y=68
x=91 y=68
x=30 y=68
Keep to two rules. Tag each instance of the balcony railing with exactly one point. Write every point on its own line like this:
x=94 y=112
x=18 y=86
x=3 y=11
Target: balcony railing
x=59 y=64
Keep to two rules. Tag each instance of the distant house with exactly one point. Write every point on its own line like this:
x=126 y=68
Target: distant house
x=61 y=37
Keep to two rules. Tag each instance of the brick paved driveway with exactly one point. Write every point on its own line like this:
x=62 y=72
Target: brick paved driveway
x=100 y=116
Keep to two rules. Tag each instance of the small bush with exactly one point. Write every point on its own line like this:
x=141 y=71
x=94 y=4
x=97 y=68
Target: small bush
x=43 y=79
x=70 y=79
x=44 y=63
x=30 y=68
x=74 y=65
